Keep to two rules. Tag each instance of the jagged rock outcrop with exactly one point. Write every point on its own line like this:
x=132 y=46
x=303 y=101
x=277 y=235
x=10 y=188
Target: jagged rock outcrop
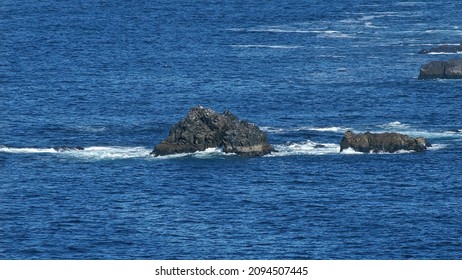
x=204 y=128
x=388 y=142
x=450 y=69
x=443 y=49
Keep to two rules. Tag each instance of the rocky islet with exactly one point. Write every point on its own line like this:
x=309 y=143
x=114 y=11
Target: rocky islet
x=204 y=128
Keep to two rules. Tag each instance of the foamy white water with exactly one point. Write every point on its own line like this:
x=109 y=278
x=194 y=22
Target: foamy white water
x=278 y=130
x=268 y=46
x=4 y=149
x=95 y=153
x=305 y=148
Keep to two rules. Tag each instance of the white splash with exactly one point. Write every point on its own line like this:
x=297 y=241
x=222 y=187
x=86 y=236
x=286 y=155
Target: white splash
x=207 y=153
x=409 y=130
x=89 y=153
x=394 y=125
x=277 y=130
x=305 y=148
x=440 y=53
x=110 y=152
x=4 y=149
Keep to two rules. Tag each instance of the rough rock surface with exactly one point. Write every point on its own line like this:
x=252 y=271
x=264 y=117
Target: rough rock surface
x=204 y=128
x=388 y=142
x=443 y=49
x=450 y=69
x=68 y=148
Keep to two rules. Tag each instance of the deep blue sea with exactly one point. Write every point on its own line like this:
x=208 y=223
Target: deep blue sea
x=114 y=76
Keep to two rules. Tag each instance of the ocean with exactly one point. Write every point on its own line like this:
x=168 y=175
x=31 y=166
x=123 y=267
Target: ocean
x=114 y=76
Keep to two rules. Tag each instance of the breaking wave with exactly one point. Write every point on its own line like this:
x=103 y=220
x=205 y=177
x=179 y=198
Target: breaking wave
x=207 y=153
x=439 y=53
x=277 y=130
x=305 y=148
x=88 y=153
x=414 y=132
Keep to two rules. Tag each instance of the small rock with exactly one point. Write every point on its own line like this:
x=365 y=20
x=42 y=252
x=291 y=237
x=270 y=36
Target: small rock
x=388 y=142
x=67 y=148
x=443 y=49
x=450 y=69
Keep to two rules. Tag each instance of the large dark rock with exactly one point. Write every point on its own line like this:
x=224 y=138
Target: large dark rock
x=443 y=49
x=451 y=69
x=203 y=128
x=388 y=142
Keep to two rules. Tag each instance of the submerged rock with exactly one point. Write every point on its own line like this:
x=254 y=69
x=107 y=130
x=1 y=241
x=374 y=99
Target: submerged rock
x=68 y=148
x=204 y=128
x=443 y=49
x=388 y=142
x=450 y=69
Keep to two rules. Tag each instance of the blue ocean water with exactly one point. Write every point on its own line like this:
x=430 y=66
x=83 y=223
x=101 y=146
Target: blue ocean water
x=113 y=76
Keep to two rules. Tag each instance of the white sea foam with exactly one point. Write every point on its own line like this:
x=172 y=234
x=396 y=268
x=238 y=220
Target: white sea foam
x=110 y=152
x=211 y=152
x=437 y=147
x=92 y=153
x=5 y=149
x=439 y=53
x=321 y=33
x=207 y=153
x=334 y=34
x=409 y=3
x=305 y=148
x=277 y=130
x=394 y=125
x=274 y=130
x=268 y=46
x=414 y=132
x=454 y=32
x=328 y=129
x=350 y=151
x=280 y=30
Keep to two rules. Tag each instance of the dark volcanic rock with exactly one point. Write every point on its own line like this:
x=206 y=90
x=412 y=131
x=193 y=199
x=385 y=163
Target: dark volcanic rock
x=68 y=148
x=203 y=128
x=451 y=69
x=389 y=142
x=443 y=49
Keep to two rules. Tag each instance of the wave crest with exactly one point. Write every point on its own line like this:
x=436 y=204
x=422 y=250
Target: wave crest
x=305 y=148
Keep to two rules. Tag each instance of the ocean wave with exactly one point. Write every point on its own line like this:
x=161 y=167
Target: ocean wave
x=268 y=46
x=277 y=130
x=110 y=152
x=90 y=153
x=276 y=29
x=5 y=149
x=334 y=34
x=305 y=148
x=409 y=4
x=280 y=30
x=435 y=147
x=92 y=129
x=397 y=126
x=394 y=125
x=440 y=53
x=206 y=154
x=453 y=32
